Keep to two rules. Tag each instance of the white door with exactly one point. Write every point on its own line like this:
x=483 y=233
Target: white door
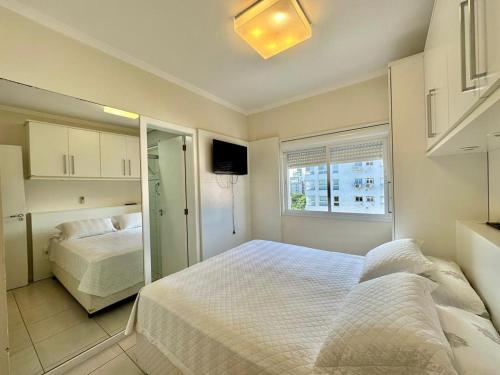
x=487 y=22
x=84 y=153
x=464 y=92
x=436 y=70
x=173 y=226
x=113 y=155
x=48 y=147
x=133 y=157
x=14 y=224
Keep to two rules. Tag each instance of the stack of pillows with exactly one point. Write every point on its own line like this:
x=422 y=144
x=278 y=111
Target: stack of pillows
x=410 y=314
x=73 y=230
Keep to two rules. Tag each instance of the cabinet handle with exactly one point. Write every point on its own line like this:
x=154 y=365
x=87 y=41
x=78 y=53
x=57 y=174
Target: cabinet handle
x=463 y=52
x=129 y=167
x=472 y=40
x=124 y=172
x=65 y=164
x=430 y=124
x=73 y=164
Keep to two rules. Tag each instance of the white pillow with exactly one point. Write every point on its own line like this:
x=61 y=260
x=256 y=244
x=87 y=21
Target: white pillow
x=454 y=288
x=85 y=228
x=474 y=341
x=127 y=221
x=388 y=325
x=395 y=256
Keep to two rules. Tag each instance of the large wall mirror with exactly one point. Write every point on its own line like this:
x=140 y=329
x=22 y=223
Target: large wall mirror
x=71 y=196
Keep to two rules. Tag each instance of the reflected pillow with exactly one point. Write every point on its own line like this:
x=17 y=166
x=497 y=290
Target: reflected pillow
x=395 y=256
x=128 y=221
x=454 y=288
x=388 y=325
x=86 y=228
x=474 y=341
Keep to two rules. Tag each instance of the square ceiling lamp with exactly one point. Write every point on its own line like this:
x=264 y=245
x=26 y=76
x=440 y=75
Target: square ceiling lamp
x=273 y=26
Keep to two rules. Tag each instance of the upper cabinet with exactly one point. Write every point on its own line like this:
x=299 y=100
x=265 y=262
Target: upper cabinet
x=461 y=62
x=120 y=156
x=61 y=151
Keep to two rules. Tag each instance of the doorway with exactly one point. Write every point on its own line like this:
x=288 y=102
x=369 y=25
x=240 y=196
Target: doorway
x=171 y=241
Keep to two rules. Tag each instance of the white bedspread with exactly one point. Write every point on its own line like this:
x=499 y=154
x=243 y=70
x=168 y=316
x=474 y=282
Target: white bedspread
x=104 y=264
x=261 y=308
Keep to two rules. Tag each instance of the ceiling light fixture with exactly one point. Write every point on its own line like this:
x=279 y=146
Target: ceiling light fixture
x=119 y=112
x=273 y=26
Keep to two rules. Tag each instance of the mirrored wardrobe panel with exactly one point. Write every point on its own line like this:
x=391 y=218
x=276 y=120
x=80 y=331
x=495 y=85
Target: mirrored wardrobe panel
x=72 y=221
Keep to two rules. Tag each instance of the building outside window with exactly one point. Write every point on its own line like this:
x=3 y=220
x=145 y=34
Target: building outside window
x=352 y=168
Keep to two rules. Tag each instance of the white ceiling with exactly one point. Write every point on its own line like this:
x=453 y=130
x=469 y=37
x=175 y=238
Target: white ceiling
x=192 y=42
x=26 y=97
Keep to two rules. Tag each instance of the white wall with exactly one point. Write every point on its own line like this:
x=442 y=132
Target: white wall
x=494 y=166
x=365 y=102
x=430 y=194
x=265 y=189
x=216 y=203
x=37 y=56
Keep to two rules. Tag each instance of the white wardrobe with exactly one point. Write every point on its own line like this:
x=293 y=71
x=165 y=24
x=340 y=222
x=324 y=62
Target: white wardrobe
x=14 y=216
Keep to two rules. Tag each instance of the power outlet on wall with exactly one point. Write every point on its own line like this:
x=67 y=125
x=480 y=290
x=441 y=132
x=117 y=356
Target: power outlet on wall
x=81 y=200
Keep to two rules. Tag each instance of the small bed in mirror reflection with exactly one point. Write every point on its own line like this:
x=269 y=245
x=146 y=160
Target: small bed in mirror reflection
x=95 y=254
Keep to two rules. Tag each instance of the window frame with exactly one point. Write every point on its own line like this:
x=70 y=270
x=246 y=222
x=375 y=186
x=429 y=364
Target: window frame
x=360 y=134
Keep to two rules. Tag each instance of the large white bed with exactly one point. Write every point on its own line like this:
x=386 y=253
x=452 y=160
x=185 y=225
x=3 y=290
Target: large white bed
x=272 y=308
x=100 y=270
x=261 y=308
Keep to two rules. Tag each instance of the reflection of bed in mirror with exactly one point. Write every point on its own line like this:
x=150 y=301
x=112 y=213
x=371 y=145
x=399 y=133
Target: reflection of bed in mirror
x=99 y=269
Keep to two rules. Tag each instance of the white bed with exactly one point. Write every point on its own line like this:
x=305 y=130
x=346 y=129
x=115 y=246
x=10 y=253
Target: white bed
x=100 y=270
x=263 y=307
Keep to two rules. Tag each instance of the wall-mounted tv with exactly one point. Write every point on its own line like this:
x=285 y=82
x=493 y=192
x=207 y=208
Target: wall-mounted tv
x=229 y=158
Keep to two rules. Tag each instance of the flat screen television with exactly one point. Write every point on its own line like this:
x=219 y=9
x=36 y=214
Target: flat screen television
x=229 y=158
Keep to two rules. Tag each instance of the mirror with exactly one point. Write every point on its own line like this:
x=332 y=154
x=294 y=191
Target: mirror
x=170 y=158
x=71 y=196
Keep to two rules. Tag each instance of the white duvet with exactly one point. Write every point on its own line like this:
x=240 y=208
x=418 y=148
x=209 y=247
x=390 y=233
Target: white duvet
x=104 y=264
x=261 y=308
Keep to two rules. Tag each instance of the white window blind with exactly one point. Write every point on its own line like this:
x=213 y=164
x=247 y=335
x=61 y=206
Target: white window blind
x=359 y=151
x=304 y=158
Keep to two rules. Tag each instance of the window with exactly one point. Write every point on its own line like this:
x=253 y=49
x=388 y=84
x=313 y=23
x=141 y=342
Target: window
x=336 y=201
x=331 y=175
x=336 y=184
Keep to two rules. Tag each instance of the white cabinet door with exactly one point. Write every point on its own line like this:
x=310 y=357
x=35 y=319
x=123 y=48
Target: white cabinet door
x=113 y=155
x=486 y=15
x=133 y=157
x=464 y=92
x=16 y=251
x=48 y=146
x=84 y=153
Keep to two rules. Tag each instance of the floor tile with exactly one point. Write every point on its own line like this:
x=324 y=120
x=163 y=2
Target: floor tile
x=122 y=365
x=25 y=362
x=66 y=344
x=131 y=352
x=18 y=338
x=127 y=342
x=115 y=320
x=96 y=361
x=57 y=323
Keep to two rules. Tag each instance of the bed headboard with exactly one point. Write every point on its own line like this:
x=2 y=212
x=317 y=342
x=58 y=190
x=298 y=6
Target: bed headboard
x=42 y=228
x=478 y=254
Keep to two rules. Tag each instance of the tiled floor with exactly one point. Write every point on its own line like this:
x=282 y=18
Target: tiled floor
x=47 y=327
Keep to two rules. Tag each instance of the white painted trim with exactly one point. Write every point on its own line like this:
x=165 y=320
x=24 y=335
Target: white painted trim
x=72 y=33
x=86 y=355
x=181 y=130
x=337 y=86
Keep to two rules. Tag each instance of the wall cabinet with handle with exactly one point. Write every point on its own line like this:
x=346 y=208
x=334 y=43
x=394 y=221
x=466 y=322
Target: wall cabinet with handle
x=120 y=156
x=61 y=151
x=465 y=33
